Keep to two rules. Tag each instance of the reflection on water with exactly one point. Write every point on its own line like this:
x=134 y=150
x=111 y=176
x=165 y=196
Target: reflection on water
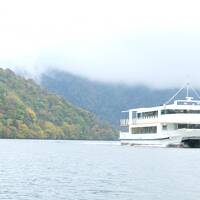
x=73 y=170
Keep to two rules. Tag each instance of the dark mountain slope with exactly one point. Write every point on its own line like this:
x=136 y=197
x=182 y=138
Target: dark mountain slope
x=105 y=100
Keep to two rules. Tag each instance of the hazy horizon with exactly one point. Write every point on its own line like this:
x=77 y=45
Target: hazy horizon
x=154 y=43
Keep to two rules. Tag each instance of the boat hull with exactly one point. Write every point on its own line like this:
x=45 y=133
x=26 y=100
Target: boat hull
x=177 y=138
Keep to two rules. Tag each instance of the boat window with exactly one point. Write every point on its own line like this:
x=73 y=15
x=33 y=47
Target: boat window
x=189 y=126
x=139 y=115
x=144 y=130
x=145 y=115
x=134 y=114
x=164 y=127
x=197 y=103
x=171 y=111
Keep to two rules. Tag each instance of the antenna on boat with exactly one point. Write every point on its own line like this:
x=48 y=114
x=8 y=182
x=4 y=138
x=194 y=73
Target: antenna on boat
x=173 y=97
x=188 y=87
x=195 y=92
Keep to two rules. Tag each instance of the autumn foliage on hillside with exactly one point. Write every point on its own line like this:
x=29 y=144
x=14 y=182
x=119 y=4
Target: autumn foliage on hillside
x=28 y=111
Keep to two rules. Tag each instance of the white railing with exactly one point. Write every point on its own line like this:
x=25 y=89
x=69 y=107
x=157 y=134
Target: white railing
x=124 y=122
x=147 y=119
x=127 y=122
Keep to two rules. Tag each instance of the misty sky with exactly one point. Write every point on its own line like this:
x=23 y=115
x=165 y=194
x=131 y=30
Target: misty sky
x=153 y=42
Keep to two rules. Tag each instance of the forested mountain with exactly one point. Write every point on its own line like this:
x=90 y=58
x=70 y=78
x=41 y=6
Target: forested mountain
x=28 y=111
x=104 y=99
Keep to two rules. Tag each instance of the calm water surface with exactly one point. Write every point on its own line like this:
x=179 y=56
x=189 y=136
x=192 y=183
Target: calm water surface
x=81 y=170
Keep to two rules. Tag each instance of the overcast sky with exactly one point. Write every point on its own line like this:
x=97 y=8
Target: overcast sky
x=153 y=42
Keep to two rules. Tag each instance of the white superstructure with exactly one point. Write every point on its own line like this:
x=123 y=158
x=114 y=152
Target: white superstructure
x=171 y=124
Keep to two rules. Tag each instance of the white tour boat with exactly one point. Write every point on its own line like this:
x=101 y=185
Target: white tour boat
x=171 y=124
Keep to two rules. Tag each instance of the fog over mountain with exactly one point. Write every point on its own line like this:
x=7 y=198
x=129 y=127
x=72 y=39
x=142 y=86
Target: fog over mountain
x=107 y=100
x=136 y=42
x=154 y=80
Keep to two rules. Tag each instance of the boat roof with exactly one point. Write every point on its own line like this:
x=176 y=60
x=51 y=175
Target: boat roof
x=186 y=104
x=178 y=104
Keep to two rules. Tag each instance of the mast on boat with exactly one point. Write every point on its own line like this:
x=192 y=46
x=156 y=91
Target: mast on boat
x=188 y=87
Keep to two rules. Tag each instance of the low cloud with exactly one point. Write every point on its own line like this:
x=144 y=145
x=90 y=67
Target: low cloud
x=114 y=41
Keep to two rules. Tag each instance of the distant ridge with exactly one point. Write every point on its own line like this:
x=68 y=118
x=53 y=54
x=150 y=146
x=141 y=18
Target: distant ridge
x=104 y=99
x=29 y=111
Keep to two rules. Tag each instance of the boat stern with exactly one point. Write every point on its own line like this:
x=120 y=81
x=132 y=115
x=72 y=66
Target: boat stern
x=188 y=138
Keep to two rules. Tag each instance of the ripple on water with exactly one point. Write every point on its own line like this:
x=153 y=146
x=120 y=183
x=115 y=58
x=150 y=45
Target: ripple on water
x=35 y=169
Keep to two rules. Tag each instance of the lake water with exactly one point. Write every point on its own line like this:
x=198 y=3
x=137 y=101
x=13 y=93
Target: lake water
x=81 y=170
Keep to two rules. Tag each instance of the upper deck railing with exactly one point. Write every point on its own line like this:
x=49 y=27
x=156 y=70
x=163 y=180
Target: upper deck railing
x=180 y=110
x=127 y=122
x=124 y=122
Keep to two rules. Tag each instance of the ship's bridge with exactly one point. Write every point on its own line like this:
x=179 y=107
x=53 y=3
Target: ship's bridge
x=188 y=101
